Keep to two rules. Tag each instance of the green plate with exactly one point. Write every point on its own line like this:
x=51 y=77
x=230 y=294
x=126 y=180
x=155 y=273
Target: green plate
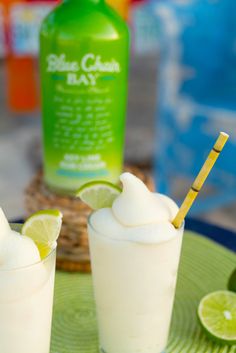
x=205 y=267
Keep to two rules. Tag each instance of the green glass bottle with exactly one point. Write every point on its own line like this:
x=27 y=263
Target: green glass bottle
x=84 y=50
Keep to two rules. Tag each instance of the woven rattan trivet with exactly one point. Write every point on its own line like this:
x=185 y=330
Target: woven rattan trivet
x=72 y=254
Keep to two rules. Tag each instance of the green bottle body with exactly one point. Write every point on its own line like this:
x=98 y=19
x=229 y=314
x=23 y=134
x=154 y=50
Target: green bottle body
x=84 y=48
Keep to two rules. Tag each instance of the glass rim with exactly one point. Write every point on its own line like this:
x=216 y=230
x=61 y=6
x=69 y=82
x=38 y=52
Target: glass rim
x=21 y=268
x=103 y=235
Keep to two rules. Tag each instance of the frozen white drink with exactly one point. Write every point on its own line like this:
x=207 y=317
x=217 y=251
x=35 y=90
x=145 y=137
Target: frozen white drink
x=26 y=293
x=135 y=253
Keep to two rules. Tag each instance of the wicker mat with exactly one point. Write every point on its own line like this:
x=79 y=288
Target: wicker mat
x=72 y=254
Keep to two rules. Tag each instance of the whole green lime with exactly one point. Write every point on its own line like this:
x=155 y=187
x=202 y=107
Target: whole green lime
x=232 y=282
x=217 y=315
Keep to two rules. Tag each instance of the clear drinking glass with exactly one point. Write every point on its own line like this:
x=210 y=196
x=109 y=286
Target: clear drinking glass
x=26 y=300
x=134 y=287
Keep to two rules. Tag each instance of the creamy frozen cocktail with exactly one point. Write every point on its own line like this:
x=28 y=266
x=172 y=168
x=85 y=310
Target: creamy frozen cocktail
x=26 y=289
x=135 y=253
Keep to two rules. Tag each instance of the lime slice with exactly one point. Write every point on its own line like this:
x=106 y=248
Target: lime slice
x=43 y=227
x=98 y=194
x=232 y=282
x=217 y=314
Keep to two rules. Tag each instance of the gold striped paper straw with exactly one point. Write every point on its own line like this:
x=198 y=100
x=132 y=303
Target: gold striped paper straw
x=200 y=179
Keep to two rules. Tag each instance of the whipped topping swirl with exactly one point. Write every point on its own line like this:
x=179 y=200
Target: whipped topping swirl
x=137 y=214
x=16 y=250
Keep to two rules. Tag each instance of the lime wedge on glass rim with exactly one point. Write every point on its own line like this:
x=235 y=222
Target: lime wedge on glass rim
x=98 y=194
x=217 y=315
x=43 y=227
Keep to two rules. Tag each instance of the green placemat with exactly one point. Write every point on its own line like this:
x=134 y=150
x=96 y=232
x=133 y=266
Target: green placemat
x=205 y=267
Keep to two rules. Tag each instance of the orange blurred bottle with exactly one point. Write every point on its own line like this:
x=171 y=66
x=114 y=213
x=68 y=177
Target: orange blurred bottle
x=121 y=6
x=22 y=88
